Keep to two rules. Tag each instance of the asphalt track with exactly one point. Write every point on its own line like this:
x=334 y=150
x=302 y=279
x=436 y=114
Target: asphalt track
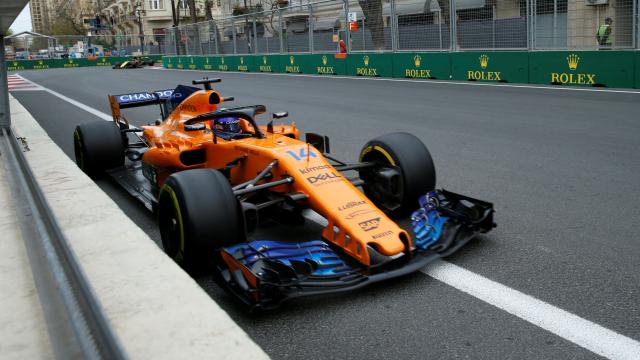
x=562 y=168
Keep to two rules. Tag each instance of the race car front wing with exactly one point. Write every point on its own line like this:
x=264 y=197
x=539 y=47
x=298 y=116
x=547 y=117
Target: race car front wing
x=265 y=273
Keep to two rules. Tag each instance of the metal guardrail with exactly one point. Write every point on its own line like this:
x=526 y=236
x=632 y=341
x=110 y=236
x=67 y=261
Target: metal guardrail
x=76 y=323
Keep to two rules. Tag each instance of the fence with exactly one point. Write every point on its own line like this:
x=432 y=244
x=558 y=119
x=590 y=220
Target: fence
x=79 y=46
x=414 y=25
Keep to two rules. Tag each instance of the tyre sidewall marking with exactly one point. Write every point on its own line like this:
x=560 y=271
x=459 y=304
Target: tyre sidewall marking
x=379 y=149
x=174 y=199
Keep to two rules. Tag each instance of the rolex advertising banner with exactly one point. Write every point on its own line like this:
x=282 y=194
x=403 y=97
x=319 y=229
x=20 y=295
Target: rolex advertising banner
x=192 y=63
x=325 y=64
x=210 y=62
x=181 y=62
x=267 y=63
x=496 y=66
x=637 y=70
x=292 y=63
x=169 y=62
x=422 y=65
x=583 y=68
x=375 y=65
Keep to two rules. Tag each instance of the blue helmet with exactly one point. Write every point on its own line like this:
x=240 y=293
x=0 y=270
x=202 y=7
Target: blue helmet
x=228 y=125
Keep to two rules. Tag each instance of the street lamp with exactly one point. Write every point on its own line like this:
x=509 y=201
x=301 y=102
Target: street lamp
x=139 y=13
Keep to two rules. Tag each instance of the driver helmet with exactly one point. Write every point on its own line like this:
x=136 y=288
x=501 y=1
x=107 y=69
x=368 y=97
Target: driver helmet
x=228 y=125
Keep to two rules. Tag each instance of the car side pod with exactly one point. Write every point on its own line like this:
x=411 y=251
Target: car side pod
x=264 y=273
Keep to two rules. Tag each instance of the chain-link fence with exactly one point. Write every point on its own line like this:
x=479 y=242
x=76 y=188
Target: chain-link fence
x=302 y=26
x=30 y=47
x=409 y=25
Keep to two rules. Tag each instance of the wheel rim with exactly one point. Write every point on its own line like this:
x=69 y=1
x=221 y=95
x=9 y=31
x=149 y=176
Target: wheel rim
x=373 y=189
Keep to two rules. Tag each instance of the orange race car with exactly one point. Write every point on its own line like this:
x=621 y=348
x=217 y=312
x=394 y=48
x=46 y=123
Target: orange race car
x=213 y=175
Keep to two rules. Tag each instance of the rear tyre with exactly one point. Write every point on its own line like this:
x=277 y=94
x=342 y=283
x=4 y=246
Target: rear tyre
x=404 y=171
x=198 y=214
x=98 y=146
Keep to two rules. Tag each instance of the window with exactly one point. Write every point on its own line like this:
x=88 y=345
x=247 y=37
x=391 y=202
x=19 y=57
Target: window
x=156 y=4
x=183 y=4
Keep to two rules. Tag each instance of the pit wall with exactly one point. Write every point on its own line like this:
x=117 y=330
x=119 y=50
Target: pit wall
x=16 y=65
x=611 y=69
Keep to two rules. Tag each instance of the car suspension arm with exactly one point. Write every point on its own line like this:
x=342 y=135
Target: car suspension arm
x=284 y=180
x=251 y=183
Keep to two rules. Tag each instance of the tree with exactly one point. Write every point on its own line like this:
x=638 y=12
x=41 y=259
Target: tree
x=66 y=26
x=372 y=10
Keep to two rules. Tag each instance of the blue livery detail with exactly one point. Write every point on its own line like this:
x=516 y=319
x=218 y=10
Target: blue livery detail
x=323 y=260
x=427 y=221
x=302 y=153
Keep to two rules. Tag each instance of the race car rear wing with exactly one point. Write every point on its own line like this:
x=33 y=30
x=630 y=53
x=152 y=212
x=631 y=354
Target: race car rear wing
x=124 y=101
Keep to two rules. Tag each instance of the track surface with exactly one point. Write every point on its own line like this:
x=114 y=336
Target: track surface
x=562 y=168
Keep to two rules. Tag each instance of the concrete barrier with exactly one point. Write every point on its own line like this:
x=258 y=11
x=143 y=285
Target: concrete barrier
x=157 y=310
x=613 y=69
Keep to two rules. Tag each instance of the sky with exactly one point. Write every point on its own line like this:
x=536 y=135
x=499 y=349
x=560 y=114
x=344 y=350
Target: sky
x=22 y=22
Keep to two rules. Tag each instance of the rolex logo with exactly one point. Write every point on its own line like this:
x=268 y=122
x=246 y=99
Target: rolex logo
x=572 y=61
x=484 y=61
x=324 y=59
x=15 y=63
x=40 y=62
x=241 y=60
x=366 y=60
x=417 y=60
x=264 y=60
x=70 y=61
x=291 y=59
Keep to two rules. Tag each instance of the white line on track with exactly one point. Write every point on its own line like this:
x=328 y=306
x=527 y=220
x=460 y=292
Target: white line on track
x=568 y=326
x=82 y=106
x=571 y=327
x=426 y=81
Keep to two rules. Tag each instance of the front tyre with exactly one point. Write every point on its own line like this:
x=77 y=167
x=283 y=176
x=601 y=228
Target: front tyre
x=98 y=146
x=403 y=171
x=198 y=214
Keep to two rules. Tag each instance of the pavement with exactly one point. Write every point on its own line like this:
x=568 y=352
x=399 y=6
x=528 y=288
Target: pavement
x=151 y=317
x=560 y=165
x=23 y=334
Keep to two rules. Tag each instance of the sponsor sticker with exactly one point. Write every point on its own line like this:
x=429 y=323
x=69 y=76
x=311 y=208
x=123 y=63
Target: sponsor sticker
x=382 y=234
x=370 y=224
x=351 y=204
x=323 y=178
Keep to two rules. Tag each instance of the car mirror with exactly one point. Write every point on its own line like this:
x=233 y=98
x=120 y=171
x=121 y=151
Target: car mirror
x=195 y=127
x=280 y=115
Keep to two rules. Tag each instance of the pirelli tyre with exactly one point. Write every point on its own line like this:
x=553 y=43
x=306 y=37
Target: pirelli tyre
x=98 y=146
x=403 y=171
x=198 y=213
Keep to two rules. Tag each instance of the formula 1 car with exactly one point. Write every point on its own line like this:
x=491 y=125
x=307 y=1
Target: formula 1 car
x=213 y=175
x=135 y=62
